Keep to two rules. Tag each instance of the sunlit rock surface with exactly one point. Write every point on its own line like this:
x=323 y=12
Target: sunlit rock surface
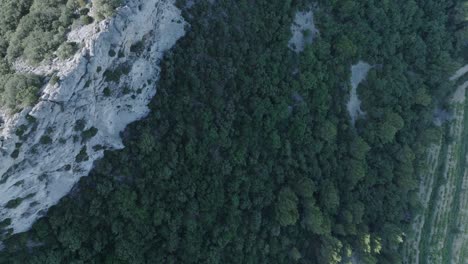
x=46 y=149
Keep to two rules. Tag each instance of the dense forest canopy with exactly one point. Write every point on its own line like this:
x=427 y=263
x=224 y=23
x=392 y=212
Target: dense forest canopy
x=34 y=31
x=249 y=156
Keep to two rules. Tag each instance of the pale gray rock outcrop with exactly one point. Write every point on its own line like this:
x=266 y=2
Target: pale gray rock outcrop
x=359 y=73
x=103 y=88
x=303 y=31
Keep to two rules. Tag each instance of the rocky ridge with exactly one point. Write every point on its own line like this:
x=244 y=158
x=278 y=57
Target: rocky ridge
x=94 y=96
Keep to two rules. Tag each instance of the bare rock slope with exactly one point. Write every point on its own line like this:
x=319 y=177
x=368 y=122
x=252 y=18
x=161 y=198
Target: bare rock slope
x=47 y=148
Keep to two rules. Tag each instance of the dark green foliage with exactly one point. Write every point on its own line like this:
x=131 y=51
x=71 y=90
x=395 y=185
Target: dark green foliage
x=230 y=168
x=286 y=208
x=82 y=155
x=13 y=203
x=117 y=73
x=5 y=223
x=88 y=134
x=18 y=183
x=121 y=54
x=21 y=130
x=42 y=177
x=126 y=90
x=80 y=125
x=45 y=140
x=112 y=53
x=15 y=153
x=137 y=47
x=17 y=201
x=31 y=119
x=98 y=147
x=84 y=11
x=107 y=92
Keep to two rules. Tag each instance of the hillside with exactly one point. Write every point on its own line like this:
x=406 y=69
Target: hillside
x=265 y=132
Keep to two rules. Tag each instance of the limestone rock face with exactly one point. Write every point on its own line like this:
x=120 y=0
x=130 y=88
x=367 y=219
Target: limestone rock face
x=107 y=85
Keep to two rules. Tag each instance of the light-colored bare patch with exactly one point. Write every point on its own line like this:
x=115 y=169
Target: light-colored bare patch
x=358 y=74
x=303 y=31
x=462 y=71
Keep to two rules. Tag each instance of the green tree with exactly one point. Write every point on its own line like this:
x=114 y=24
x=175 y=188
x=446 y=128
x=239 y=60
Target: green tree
x=286 y=210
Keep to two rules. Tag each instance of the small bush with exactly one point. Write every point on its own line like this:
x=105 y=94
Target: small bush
x=137 y=47
x=106 y=8
x=82 y=156
x=18 y=183
x=98 y=147
x=15 y=154
x=107 y=92
x=126 y=90
x=31 y=119
x=45 y=140
x=42 y=177
x=79 y=125
x=13 y=203
x=88 y=134
x=66 y=50
x=112 y=53
x=21 y=130
x=117 y=73
x=54 y=79
x=86 y=20
x=5 y=223
x=84 y=11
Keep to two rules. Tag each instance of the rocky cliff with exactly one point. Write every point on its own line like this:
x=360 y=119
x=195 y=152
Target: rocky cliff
x=92 y=98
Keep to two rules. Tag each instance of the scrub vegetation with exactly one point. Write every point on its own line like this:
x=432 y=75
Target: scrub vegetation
x=31 y=31
x=249 y=154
